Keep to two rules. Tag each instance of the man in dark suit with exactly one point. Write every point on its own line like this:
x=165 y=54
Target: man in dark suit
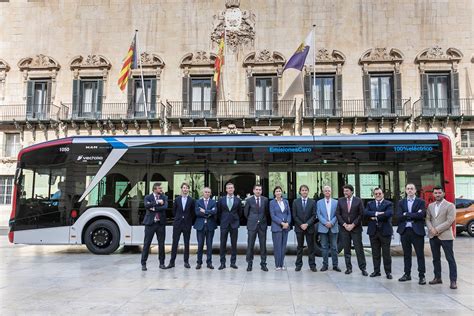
x=155 y=223
x=229 y=211
x=411 y=227
x=256 y=211
x=304 y=217
x=184 y=215
x=205 y=225
x=349 y=212
x=379 y=213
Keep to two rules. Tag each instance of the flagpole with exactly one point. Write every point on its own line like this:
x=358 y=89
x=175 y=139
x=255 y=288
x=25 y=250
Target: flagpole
x=222 y=63
x=139 y=57
x=314 y=67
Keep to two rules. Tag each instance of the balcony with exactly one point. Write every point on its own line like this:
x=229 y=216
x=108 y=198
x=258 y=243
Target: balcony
x=230 y=109
x=357 y=108
x=111 y=111
x=444 y=107
x=24 y=112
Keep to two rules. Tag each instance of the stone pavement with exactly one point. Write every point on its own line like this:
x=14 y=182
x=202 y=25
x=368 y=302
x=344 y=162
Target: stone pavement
x=69 y=280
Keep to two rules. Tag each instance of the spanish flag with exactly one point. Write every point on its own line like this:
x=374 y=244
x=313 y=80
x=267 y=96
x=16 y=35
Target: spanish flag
x=129 y=63
x=219 y=62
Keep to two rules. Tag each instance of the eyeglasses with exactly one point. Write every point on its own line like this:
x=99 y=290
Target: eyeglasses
x=378 y=193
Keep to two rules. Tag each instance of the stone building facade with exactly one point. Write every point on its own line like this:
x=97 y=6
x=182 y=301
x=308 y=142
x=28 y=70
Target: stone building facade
x=381 y=66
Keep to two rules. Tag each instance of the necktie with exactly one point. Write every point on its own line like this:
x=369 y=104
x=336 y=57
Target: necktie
x=304 y=203
x=157 y=215
x=205 y=204
x=229 y=203
x=258 y=203
x=348 y=205
x=378 y=204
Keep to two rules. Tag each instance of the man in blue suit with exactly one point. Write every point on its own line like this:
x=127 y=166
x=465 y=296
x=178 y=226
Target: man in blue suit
x=205 y=225
x=155 y=223
x=328 y=228
x=411 y=227
x=379 y=213
x=229 y=211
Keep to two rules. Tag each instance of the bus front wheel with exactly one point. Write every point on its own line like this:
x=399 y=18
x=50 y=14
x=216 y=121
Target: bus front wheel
x=102 y=237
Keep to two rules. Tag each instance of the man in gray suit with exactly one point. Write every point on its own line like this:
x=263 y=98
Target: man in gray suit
x=256 y=210
x=304 y=217
x=328 y=228
x=440 y=217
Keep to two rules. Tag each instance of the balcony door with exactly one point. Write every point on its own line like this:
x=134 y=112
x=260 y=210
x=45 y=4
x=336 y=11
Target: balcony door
x=87 y=98
x=38 y=99
x=381 y=93
x=201 y=96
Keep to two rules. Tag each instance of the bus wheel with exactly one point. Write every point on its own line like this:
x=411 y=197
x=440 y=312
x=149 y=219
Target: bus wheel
x=102 y=237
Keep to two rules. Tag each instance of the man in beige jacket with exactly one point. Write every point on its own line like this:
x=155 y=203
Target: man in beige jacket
x=439 y=219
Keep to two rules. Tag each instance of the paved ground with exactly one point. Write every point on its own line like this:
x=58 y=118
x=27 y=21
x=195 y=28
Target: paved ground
x=69 y=280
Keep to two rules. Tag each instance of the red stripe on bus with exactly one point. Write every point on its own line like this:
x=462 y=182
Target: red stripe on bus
x=448 y=172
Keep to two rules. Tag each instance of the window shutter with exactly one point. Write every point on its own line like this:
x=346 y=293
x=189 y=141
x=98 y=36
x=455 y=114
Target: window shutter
x=213 y=98
x=252 y=95
x=307 y=94
x=338 y=89
x=100 y=94
x=47 y=107
x=186 y=95
x=76 y=97
x=424 y=90
x=30 y=98
x=153 y=98
x=131 y=97
x=397 y=87
x=366 y=84
x=454 y=94
x=275 y=103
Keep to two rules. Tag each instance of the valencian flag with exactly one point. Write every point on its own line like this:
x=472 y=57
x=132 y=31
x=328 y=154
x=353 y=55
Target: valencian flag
x=129 y=63
x=297 y=61
x=219 y=62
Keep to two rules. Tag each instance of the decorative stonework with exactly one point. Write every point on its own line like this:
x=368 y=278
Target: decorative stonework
x=265 y=61
x=379 y=56
x=39 y=66
x=152 y=65
x=238 y=26
x=327 y=59
x=95 y=63
x=436 y=55
x=198 y=61
x=4 y=68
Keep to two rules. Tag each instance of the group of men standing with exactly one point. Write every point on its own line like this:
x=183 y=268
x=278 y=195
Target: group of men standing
x=332 y=219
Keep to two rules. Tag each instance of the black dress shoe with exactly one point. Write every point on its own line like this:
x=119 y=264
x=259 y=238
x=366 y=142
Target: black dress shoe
x=422 y=280
x=453 y=285
x=144 y=267
x=222 y=267
x=234 y=266
x=348 y=271
x=298 y=269
x=170 y=266
x=364 y=273
x=187 y=265
x=264 y=268
x=436 y=281
x=336 y=269
x=313 y=269
x=324 y=268
x=405 y=277
x=249 y=267
x=162 y=266
x=389 y=276
x=198 y=266
x=373 y=274
x=210 y=266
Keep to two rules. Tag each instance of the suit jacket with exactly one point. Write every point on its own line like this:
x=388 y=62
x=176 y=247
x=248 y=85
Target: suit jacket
x=323 y=216
x=442 y=222
x=416 y=217
x=304 y=215
x=382 y=222
x=352 y=217
x=256 y=217
x=152 y=208
x=209 y=217
x=229 y=217
x=278 y=216
x=184 y=218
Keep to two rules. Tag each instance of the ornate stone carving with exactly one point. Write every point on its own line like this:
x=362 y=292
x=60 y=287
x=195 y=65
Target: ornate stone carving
x=4 y=68
x=437 y=54
x=381 y=55
x=198 y=59
x=150 y=60
x=38 y=62
x=324 y=56
x=265 y=58
x=238 y=26
x=90 y=62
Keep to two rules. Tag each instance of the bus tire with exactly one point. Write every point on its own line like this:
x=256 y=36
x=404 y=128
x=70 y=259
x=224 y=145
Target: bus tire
x=318 y=250
x=102 y=237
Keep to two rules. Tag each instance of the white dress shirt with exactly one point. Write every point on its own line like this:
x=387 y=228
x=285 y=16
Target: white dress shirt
x=184 y=199
x=410 y=210
x=328 y=208
x=282 y=205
